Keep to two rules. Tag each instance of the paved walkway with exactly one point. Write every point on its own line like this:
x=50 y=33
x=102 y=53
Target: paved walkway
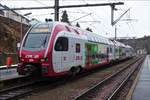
x=142 y=90
x=6 y=74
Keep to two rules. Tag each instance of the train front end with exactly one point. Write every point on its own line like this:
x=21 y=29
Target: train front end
x=32 y=53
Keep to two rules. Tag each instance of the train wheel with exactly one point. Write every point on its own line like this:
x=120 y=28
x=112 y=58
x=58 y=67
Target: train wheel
x=75 y=70
x=80 y=69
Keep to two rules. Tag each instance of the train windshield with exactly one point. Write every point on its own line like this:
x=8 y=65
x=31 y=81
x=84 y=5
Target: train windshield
x=38 y=37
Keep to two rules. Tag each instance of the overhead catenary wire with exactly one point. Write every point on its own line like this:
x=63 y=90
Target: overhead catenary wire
x=131 y=28
x=81 y=17
x=119 y=13
x=105 y=29
x=40 y=2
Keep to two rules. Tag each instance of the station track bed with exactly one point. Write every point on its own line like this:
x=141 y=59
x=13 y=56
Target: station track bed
x=63 y=88
x=11 y=82
x=109 y=88
x=72 y=88
x=17 y=91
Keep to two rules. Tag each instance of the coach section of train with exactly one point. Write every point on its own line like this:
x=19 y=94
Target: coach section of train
x=54 y=49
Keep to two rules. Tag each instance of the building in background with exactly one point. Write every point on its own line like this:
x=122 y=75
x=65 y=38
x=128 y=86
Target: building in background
x=13 y=28
x=8 y=13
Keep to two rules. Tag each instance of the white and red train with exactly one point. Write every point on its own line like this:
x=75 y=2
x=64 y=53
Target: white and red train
x=54 y=49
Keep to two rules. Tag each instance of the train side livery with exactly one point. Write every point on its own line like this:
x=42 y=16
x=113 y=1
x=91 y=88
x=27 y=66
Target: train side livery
x=53 y=49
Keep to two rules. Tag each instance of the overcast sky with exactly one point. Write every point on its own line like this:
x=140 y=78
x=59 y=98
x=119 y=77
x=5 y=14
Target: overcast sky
x=139 y=12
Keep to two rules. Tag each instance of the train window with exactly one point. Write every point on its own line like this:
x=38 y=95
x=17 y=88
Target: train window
x=77 y=48
x=38 y=37
x=61 y=44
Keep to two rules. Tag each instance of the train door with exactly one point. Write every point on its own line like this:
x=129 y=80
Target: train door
x=116 y=52
x=57 y=54
x=110 y=53
x=107 y=54
x=63 y=55
x=88 y=54
x=68 y=56
x=74 y=56
x=79 y=53
x=67 y=53
x=113 y=52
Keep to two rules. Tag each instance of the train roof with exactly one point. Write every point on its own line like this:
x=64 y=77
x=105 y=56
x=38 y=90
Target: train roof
x=92 y=37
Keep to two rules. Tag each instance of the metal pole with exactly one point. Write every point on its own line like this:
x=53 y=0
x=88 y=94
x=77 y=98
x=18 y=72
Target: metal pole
x=112 y=14
x=67 y=6
x=21 y=29
x=56 y=10
x=115 y=32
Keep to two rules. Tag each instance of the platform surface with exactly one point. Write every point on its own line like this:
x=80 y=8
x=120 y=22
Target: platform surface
x=7 y=74
x=142 y=89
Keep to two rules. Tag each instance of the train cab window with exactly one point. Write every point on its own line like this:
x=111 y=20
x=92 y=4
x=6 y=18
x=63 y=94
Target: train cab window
x=61 y=44
x=77 y=48
x=38 y=37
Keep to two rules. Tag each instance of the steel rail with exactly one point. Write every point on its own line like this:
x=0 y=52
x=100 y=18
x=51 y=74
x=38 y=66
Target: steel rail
x=94 y=88
x=5 y=95
x=17 y=91
x=117 y=90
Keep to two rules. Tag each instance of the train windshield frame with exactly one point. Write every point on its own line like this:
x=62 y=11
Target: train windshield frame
x=38 y=37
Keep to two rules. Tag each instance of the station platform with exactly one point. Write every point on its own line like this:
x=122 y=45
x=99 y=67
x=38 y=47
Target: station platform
x=142 y=89
x=8 y=73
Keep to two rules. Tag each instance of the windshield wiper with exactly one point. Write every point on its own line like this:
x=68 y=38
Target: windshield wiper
x=44 y=41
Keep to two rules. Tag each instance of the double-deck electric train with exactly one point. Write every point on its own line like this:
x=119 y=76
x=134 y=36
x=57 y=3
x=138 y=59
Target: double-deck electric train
x=53 y=49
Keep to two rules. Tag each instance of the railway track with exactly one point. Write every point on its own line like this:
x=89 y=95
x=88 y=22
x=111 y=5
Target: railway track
x=17 y=91
x=109 y=87
x=22 y=90
x=31 y=87
x=78 y=84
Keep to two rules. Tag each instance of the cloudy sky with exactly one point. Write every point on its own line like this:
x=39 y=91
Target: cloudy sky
x=139 y=13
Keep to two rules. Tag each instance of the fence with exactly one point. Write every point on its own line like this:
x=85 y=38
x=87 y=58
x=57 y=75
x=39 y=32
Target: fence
x=4 y=56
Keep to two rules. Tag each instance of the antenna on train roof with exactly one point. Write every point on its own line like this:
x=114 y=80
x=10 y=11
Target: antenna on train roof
x=48 y=20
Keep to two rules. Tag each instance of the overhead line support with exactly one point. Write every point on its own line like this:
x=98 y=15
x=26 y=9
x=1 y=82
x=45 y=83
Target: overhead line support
x=57 y=7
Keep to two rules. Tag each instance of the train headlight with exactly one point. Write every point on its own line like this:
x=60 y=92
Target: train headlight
x=44 y=60
x=22 y=59
x=36 y=56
